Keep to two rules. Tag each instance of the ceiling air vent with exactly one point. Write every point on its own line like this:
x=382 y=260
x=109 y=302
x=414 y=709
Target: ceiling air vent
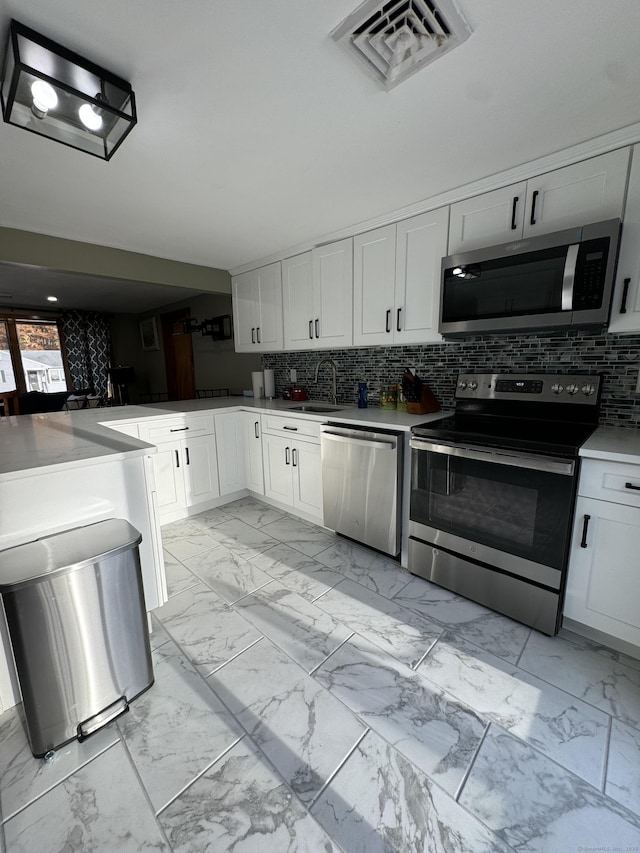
x=396 y=39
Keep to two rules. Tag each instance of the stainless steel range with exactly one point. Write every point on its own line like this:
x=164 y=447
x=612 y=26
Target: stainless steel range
x=493 y=491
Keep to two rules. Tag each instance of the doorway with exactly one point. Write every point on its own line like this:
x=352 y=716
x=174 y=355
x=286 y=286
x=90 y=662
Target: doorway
x=178 y=356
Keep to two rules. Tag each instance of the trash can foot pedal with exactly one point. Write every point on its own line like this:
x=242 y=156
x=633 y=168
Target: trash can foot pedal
x=111 y=712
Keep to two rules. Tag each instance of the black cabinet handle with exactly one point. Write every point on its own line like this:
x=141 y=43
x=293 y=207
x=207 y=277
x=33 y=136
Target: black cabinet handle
x=294 y=456
x=625 y=293
x=255 y=429
x=258 y=334
x=186 y=453
x=177 y=458
x=310 y=330
x=317 y=328
x=533 y=207
x=287 y=455
x=293 y=429
x=253 y=335
x=513 y=212
x=631 y=486
x=398 y=329
x=179 y=429
x=387 y=325
x=585 y=526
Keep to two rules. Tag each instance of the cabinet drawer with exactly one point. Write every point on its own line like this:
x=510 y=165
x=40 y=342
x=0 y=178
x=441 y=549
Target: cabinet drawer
x=618 y=482
x=300 y=427
x=175 y=428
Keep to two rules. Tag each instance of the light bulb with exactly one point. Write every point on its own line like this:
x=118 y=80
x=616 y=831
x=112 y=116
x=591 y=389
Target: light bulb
x=89 y=117
x=44 y=98
x=52 y=298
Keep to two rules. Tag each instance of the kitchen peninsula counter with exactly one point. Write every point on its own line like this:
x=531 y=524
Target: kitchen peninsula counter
x=79 y=438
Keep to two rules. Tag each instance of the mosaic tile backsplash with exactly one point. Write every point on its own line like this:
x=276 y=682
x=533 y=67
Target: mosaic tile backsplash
x=616 y=357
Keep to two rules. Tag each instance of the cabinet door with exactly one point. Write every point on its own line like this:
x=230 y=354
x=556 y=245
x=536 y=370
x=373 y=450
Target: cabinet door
x=253 y=452
x=333 y=294
x=298 y=302
x=168 y=465
x=590 y=191
x=374 y=271
x=307 y=478
x=625 y=309
x=278 y=480
x=200 y=469
x=421 y=244
x=603 y=584
x=230 y=452
x=487 y=219
x=244 y=297
x=268 y=284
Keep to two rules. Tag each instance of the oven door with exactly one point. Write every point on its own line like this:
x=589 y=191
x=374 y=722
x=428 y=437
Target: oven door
x=503 y=509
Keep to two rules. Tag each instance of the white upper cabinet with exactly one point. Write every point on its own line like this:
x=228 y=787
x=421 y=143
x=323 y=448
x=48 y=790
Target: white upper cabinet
x=298 y=302
x=625 y=308
x=333 y=294
x=590 y=191
x=257 y=309
x=318 y=297
x=397 y=281
x=374 y=273
x=421 y=245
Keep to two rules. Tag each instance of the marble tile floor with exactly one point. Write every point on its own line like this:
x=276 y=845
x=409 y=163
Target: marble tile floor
x=311 y=695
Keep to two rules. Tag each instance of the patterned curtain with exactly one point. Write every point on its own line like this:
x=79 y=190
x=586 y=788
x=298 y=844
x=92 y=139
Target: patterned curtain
x=87 y=344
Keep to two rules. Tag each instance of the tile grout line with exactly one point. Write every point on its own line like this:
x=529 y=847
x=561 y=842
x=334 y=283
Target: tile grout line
x=524 y=646
x=313 y=671
x=145 y=793
x=341 y=764
x=224 y=663
x=63 y=778
x=199 y=776
x=607 y=750
x=430 y=649
x=466 y=775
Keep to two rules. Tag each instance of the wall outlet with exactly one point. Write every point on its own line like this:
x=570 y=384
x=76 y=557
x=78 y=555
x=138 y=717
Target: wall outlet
x=293 y=375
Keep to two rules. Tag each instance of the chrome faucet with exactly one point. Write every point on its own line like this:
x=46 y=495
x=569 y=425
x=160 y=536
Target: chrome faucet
x=331 y=362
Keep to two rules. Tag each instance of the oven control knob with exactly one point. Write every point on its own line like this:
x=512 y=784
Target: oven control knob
x=588 y=390
x=572 y=389
x=473 y=385
x=462 y=385
x=557 y=388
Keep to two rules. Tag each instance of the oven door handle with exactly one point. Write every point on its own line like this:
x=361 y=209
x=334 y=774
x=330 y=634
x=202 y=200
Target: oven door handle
x=498 y=457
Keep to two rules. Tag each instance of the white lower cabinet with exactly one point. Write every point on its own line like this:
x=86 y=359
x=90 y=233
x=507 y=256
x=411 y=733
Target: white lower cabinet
x=185 y=464
x=292 y=473
x=254 y=473
x=230 y=452
x=603 y=583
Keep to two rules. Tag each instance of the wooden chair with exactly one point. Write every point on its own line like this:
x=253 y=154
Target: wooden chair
x=9 y=403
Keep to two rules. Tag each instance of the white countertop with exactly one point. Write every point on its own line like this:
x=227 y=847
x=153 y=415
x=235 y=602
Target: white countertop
x=32 y=442
x=615 y=444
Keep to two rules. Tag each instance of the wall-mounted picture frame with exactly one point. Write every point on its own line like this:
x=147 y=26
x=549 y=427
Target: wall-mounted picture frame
x=149 y=334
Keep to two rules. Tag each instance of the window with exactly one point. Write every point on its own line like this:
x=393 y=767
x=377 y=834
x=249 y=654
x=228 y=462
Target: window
x=31 y=355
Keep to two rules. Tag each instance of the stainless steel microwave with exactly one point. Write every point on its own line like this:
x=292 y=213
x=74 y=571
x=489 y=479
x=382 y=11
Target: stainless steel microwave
x=552 y=281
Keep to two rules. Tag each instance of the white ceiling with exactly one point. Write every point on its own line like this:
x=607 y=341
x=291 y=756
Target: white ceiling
x=23 y=286
x=257 y=132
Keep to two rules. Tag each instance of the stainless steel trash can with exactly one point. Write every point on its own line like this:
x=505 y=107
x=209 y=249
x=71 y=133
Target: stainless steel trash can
x=75 y=610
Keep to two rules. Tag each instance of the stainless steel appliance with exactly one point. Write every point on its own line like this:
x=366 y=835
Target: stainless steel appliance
x=547 y=282
x=361 y=484
x=493 y=491
x=75 y=609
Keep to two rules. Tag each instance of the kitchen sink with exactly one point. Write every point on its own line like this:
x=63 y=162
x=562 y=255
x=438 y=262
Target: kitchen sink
x=313 y=409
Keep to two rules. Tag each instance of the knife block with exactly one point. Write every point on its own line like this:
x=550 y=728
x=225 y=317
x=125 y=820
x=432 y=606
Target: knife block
x=426 y=405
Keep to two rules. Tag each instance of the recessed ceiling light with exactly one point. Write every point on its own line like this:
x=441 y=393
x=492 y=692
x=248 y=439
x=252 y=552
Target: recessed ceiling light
x=52 y=298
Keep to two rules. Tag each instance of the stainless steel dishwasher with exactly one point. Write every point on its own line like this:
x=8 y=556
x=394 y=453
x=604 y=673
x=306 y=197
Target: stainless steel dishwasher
x=362 y=484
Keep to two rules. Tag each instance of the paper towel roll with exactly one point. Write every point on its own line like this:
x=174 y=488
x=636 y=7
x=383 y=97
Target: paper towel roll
x=258 y=384
x=269 y=384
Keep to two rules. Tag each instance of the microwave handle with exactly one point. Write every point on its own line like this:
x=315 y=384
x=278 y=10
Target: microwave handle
x=569 y=276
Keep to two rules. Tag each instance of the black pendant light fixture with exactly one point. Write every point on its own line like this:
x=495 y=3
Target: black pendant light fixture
x=54 y=92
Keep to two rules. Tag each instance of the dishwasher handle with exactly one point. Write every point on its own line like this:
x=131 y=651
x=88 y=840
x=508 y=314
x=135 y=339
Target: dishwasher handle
x=386 y=444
